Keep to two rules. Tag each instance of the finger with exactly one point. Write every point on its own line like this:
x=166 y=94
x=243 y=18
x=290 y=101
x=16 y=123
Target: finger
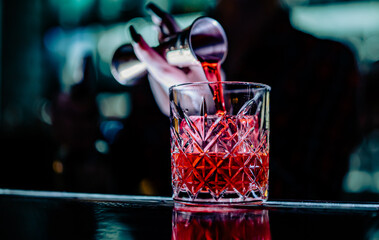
x=165 y=21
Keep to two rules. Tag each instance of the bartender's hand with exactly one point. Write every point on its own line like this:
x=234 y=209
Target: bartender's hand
x=161 y=74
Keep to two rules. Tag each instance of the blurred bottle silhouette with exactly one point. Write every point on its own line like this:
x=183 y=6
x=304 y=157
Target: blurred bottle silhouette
x=75 y=114
x=75 y=121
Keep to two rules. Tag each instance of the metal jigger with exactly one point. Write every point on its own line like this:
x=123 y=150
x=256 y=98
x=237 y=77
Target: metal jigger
x=203 y=41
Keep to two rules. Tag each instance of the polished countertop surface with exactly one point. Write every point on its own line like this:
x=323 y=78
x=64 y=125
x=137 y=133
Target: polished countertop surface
x=63 y=215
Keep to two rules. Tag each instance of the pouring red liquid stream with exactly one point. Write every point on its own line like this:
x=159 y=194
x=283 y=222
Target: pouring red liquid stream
x=212 y=72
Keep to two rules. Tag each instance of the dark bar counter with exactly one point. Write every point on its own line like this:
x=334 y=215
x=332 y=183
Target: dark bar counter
x=62 y=215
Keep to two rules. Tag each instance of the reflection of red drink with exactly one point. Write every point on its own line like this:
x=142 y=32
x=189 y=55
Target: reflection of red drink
x=243 y=224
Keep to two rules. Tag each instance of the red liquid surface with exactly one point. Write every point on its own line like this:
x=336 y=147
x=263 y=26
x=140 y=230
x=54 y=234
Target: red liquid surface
x=221 y=172
x=212 y=72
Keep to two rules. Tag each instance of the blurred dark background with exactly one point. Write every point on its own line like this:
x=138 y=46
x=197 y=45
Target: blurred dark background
x=66 y=124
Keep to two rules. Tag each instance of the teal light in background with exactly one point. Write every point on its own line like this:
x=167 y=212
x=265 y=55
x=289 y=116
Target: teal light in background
x=363 y=174
x=69 y=48
x=195 y=5
x=71 y=12
x=340 y=19
x=165 y=5
x=353 y=22
x=114 y=105
x=111 y=9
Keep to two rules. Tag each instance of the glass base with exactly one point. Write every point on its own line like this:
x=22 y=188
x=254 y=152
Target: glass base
x=227 y=199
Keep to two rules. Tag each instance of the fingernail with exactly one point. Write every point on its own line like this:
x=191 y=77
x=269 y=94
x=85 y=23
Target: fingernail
x=133 y=33
x=155 y=9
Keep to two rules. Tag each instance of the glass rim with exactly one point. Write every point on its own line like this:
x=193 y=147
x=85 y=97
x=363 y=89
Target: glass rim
x=260 y=85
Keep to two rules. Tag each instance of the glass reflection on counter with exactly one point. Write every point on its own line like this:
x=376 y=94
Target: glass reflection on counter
x=223 y=223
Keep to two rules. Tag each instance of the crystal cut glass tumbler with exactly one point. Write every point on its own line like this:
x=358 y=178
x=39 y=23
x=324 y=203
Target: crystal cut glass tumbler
x=219 y=142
